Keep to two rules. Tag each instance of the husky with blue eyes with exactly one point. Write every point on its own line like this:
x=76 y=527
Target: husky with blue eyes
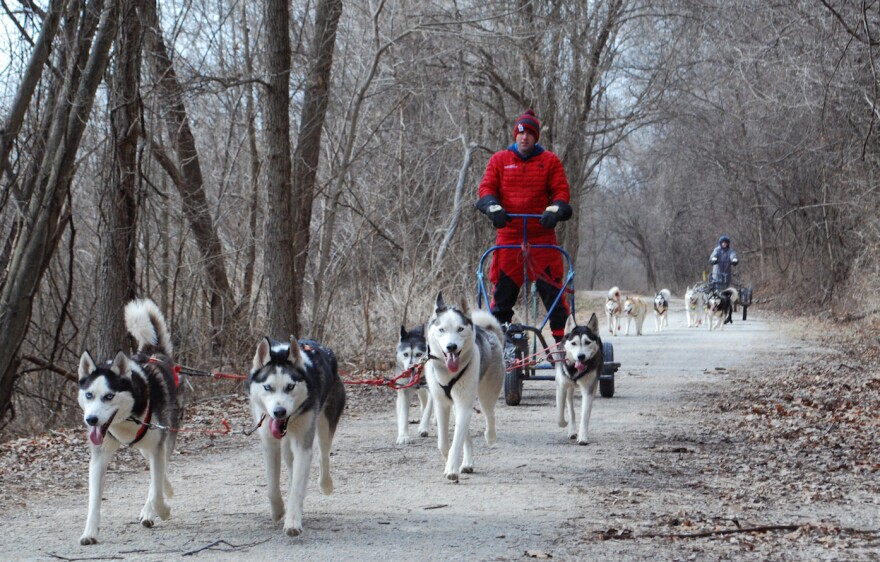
x=132 y=401
x=295 y=393
x=412 y=353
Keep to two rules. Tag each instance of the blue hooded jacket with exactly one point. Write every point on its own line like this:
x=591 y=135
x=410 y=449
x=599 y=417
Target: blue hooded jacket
x=721 y=260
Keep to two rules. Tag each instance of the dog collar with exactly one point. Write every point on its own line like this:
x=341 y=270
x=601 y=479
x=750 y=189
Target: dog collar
x=145 y=425
x=447 y=388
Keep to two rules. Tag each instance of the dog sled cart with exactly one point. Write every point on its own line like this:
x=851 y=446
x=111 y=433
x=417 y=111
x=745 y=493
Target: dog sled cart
x=527 y=357
x=743 y=290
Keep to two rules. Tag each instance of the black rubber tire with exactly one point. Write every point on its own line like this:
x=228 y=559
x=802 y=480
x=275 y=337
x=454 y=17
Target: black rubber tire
x=606 y=379
x=513 y=382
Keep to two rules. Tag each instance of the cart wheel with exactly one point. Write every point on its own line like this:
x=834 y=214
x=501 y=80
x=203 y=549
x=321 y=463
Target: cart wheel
x=606 y=379
x=513 y=378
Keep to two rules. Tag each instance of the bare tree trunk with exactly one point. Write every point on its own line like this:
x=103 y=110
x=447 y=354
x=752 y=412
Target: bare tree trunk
x=45 y=216
x=118 y=225
x=13 y=122
x=308 y=147
x=251 y=254
x=282 y=282
x=188 y=178
x=456 y=206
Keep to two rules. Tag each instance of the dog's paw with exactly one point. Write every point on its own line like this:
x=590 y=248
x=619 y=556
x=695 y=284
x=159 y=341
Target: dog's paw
x=293 y=531
x=466 y=470
x=423 y=433
x=572 y=436
x=148 y=523
x=326 y=485
x=88 y=539
x=277 y=510
x=452 y=476
x=582 y=440
x=403 y=440
x=163 y=510
x=561 y=422
x=490 y=437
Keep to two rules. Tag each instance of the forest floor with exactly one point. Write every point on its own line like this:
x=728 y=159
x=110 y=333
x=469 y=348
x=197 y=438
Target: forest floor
x=761 y=442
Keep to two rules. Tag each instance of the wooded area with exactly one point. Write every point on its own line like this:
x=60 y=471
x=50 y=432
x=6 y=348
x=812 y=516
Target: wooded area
x=275 y=167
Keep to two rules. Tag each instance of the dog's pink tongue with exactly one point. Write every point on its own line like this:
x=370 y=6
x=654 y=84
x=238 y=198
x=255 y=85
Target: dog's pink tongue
x=277 y=428
x=96 y=436
x=452 y=362
x=580 y=365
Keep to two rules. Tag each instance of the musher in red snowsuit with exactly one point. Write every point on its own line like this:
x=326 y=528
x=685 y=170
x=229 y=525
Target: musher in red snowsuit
x=525 y=178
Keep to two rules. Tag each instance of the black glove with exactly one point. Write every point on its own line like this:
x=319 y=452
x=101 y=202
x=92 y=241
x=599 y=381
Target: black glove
x=498 y=216
x=734 y=262
x=713 y=261
x=548 y=217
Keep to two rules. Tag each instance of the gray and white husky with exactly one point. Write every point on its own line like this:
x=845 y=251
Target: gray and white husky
x=695 y=306
x=661 y=308
x=466 y=363
x=412 y=352
x=582 y=362
x=132 y=401
x=295 y=392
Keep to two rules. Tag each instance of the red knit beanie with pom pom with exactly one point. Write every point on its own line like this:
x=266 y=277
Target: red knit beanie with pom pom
x=527 y=122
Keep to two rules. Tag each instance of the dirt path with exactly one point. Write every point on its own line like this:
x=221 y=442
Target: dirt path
x=535 y=494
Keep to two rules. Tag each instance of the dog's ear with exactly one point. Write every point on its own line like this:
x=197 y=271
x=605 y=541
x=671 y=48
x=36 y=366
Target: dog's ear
x=439 y=304
x=570 y=324
x=86 y=365
x=593 y=324
x=295 y=356
x=463 y=305
x=402 y=332
x=120 y=365
x=263 y=354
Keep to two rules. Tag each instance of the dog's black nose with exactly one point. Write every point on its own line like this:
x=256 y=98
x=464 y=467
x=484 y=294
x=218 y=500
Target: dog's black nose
x=279 y=413
x=452 y=347
x=581 y=356
x=92 y=420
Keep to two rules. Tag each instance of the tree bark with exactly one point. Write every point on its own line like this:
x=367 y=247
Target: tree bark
x=189 y=182
x=45 y=216
x=118 y=222
x=308 y=147
x=282 y=281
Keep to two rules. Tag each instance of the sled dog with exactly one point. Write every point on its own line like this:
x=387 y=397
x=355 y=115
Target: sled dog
x=613 y=310
x=582 y=363
x=132 y=401
x=721 y=308
x=295 y=392
x=661 y=308
x=412 y=352
x=635 y=308
x=465 y=363
x=695 y=306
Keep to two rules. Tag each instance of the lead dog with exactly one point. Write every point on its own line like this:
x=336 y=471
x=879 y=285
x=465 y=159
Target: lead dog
x=695 y=306
x=582 y=363
x=465 y=364
x=296 y=390
x=412 y=352
x=132 y=401
x=721 y=308
x=635 y=308
x=661 y=308
x=613 y=310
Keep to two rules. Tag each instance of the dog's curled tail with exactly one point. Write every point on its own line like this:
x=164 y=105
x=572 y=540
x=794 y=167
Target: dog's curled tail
x=145 y=322
x=486 y=321
x=734 y=295
x=666 y=294
x=614 y=294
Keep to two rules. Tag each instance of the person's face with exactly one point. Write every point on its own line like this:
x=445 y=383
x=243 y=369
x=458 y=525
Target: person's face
x=725 y=244
x=525 y=142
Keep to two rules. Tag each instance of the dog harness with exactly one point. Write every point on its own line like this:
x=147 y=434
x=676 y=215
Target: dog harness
x=447 y=388
x=572 y=373
x=145 y=424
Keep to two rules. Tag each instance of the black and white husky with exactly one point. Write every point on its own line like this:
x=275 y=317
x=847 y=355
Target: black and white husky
x=720 y=307
x=580 y=367
x=466 y=363
x=295 y=392
x=661 y=308
x=132 y=401
x=412 y=352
